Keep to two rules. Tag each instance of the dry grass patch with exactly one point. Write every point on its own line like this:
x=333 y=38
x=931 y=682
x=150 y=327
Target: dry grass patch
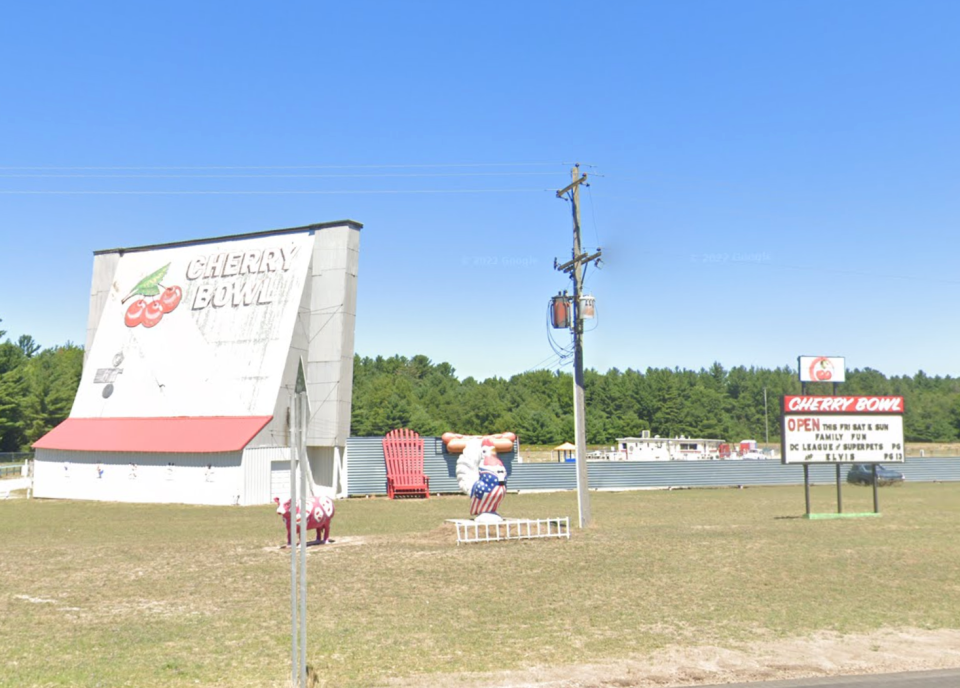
x=140 y=595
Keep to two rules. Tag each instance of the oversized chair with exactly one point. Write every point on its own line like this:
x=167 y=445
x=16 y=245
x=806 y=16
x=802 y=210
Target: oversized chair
x=403 y=451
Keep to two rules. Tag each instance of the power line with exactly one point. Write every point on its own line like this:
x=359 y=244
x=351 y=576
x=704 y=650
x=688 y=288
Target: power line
x=281 y=167
x=546 y=363
x=314 y=192
x=276 y=176
x=593 y=214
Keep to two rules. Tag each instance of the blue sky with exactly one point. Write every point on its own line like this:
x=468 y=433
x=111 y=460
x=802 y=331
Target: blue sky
x=768 y=179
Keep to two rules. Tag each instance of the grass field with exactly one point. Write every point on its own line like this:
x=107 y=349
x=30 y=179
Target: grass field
x=141 y=595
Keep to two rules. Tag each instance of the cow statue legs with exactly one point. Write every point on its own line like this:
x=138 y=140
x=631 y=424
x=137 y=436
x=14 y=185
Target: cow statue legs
x=319 y=515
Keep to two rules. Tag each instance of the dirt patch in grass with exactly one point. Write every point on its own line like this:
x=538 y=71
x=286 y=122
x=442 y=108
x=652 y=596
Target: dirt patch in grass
x=821 y=654
x=317 y=549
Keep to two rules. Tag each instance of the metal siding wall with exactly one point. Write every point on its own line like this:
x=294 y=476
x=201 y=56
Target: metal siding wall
x=280 y=479
x=547 y=476
x=651 y=474
x=277 y=472
x=930 y=470
x=368 y=473
x=257 y=473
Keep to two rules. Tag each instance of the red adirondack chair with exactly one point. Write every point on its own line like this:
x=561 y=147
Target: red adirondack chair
x=403 y=451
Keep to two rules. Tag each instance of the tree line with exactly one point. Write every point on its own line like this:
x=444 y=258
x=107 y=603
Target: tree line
x=37 y=387
x=716 y=403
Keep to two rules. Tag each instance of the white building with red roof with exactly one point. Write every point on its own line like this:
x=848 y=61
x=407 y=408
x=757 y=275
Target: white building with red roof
x=192 y=355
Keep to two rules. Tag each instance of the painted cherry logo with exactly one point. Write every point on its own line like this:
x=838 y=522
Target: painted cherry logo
x=822 y=369
x=134 y=314
x=170 y=298
x=153 y=313
x=153 y=304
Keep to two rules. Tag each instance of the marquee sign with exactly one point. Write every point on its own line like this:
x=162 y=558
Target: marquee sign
x=842 y=429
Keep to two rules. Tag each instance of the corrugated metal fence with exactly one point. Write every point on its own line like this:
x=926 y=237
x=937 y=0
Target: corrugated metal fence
x=368 y=473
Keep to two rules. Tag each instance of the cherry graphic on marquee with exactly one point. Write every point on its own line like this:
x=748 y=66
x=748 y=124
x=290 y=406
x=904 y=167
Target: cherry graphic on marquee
x=152 y=303
x=821 y=369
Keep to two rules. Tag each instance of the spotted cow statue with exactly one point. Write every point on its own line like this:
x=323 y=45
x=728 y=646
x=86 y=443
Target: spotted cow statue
x=319 y=515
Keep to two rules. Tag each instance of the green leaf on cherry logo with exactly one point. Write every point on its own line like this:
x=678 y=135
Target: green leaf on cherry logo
x=149 y=285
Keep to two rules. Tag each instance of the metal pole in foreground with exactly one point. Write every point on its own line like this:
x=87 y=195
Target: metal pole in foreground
x=294 y=448
x=298 y=531
x=302 y=451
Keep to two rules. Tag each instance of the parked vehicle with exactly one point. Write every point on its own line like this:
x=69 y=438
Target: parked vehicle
x=862 y=474
x=754 y=455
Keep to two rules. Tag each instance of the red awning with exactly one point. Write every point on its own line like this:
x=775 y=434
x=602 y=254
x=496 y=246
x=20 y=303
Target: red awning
x=161 y=435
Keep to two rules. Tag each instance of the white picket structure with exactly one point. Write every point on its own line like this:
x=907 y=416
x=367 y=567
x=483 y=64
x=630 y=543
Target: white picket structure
x=511 y=529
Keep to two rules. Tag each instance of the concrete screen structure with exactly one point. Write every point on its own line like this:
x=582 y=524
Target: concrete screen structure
x=192 y=354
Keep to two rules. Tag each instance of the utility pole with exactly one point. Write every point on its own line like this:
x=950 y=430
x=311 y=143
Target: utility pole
x=766 y=421
x=575 y=268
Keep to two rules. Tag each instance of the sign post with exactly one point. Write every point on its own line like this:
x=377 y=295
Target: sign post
x=299 y=417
